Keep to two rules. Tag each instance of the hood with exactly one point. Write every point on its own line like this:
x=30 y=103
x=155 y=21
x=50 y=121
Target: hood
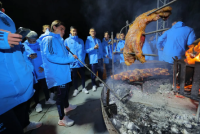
x=106 y=41
x=44 y=35
x=73 y=37
x=179 y=24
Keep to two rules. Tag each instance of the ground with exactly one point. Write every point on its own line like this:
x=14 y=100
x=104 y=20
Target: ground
x=87 y=116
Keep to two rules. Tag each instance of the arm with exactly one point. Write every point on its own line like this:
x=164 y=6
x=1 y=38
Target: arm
x=28 y=62
x=161 y=40
x=51 y=52
x=87 y=47
x=191 y=38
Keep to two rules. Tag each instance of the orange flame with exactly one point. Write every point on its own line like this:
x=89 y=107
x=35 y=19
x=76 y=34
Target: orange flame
x=193 y=54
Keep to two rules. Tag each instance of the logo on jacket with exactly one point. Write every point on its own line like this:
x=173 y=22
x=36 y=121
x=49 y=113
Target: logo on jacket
x=4 y=20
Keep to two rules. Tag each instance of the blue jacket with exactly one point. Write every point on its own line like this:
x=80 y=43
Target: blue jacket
x=120 y=45
x=94 y=54
x=160 y=50
x=77 y=47
x=37 y=62
x=146 y=49
x=16 y=78
x=177 y=38
x=55 y=60
x=106 y=50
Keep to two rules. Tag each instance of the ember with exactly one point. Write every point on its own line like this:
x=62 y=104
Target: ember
x=140 y=74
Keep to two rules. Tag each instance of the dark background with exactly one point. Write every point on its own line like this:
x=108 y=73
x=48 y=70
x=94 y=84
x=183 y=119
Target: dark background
x=104 y=15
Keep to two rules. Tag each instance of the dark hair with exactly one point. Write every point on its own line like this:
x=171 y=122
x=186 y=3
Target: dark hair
x=92 y=28
x=73 y=27
x=1 y=5
x=106 y=32
x=56 y=23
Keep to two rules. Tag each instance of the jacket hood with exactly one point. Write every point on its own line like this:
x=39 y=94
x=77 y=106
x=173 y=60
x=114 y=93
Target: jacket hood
x=44 y=35
x=73 y=37
x=179 y=24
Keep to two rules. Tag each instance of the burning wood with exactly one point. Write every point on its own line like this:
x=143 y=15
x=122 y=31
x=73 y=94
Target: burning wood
x=193 y=54
x=135 y=39
x=139 y=74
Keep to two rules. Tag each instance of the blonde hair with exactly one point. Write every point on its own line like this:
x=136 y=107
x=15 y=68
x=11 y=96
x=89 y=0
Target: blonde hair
x=45 y=26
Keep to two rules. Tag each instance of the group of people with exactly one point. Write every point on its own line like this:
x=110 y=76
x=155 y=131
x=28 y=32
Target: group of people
x=46 y=62
x=49 y=62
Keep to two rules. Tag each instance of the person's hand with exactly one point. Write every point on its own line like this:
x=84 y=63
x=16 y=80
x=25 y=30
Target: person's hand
x=41 y=69
x=67 y=48
x=33 y=56
x=114 y=52
x=96 y=46
x=13 y=39
x=122 y=49
x=75 y=57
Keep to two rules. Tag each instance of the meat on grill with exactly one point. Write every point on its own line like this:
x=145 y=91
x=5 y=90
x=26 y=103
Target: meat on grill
x=139 y=74
x=135 y=39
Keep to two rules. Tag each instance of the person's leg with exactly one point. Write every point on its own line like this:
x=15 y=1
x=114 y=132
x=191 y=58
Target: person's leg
x=82 y=73
x=100 y=68
x=21 y=112
x=9 y=123
x=74 y=78
x=107 y=70
x=94 y=69
x=43 y=84
x=61 y=92
x=36 y=94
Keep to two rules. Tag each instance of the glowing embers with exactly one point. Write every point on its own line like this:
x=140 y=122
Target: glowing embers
x=193 y=54
x=140 y=74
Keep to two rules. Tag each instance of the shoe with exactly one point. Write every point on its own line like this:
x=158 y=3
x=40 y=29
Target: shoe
x=85 y=90
x=50 y=101
x=32 y=125
x=67 y=122
x=94 y=88
x=75 y=93
x=70 y=108
x=52 y=95
x=101 y=85
x=38 y=108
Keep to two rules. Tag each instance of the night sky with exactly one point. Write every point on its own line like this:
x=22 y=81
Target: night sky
x=103 y=15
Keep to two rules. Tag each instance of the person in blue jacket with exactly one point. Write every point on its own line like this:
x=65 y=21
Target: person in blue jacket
x=177 y=39
x=56 y=62
x=38 y=70
x=120 y=47
x=116 y=57
x=76 y=45
x=95 y=51
x=107 y=52
x=16 y=81
x=146 y=49
x=153 y=44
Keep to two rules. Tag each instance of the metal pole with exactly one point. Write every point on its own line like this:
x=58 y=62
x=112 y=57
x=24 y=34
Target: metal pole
x=157 y=21
x=126 y=33
x=112 y=38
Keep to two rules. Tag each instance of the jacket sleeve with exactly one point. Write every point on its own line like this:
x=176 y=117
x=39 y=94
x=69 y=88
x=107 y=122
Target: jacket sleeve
x=105 y=49
x=161 y=40
x=28 y=62
x=87 y=47
x=83 y=49
x=4 y=40
x=191 y=38
x=51 y=52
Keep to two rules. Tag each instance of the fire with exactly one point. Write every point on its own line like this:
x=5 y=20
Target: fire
x=193 y=54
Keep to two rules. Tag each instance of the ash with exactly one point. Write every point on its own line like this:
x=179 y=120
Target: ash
x=153 y=109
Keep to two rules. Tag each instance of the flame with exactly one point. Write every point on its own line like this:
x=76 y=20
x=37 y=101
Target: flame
x=193 y=54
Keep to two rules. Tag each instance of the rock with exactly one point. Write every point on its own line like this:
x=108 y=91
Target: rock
x=185 y=131
x=135 y=132
x=116 y=123
x=130 y=132
x=159 y=132
x=151 y=132
x=188 y=125
x=174 y=130
x=130 y=126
